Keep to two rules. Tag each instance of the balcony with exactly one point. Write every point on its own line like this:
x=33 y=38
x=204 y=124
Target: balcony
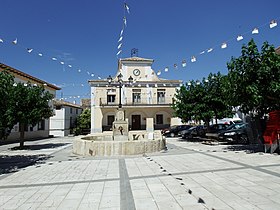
x=143 y=102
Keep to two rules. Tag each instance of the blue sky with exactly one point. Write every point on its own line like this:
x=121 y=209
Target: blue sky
x=85 y=34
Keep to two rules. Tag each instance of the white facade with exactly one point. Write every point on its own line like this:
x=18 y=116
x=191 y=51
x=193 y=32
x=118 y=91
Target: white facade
x=41 y=130
x=146 y=97
x=64 y=118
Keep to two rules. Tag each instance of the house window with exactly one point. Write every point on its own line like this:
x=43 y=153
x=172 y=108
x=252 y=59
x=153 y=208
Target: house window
x=76 y=111
x=159 y=119
x=136 y=96
x=71 y=110
x=71 y=122
x=110 y=120
x=41 y=125
x=111 y=99
x=161 y=96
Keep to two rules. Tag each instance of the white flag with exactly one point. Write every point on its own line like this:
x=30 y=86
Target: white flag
x=120 y=45
x=119 y=52
x=184 y=63
x=159 y=73
x=15 y=41
x=202 y=52
x=40 y=54
x=255 y=31
x=29 y=50
x=224 y=45
x=70 y=66
x=272 y=24
x=239 y=38
x=99 y=77
x=210 y=50
x=120 y=39
x=79 y=70
x=166 y=69
x=54 y=59
x=121 y=32
x=124 y=20
x=193 y=59
x=62 y=63
x=126 y=7
x=1 y=40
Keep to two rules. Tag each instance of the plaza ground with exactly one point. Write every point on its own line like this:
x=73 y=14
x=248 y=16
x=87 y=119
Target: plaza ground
x=189 y=175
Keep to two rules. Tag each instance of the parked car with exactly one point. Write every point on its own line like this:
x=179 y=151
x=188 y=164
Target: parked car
x=174 y=130
x=191 y=132
x=214 y=129
x=236 y=133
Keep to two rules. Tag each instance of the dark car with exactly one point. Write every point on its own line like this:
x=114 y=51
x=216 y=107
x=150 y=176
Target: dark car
x=236 y=133
x=174 y=130
x=214 y=130
x=191 y=132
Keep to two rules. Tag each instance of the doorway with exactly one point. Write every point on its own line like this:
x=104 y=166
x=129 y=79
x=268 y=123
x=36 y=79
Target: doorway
x=136 y=122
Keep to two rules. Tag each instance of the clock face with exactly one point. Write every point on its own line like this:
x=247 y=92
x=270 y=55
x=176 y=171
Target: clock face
x=136 y=72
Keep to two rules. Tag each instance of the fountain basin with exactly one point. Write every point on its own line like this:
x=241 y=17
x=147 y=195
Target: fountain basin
x=104 y=145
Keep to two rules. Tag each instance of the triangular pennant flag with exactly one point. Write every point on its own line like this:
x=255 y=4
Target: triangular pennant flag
x=126 y=7
x=1 y=40
x=124 y=20
x=210 y=50
x=121 y=32
x=166 y=69
x=88 y=73
x=120 y=45
x=79 y=70
x=224 y=45
x=61 y=62
x=120 y=39
x=255 y=31
x=193 y=59
x=202 y=52
x=184 y=63
x=92 y=75
x=40 y=54
x=29 y=50
x=239 y=38
x=272 y=24
x=15 y=41
x=54 y=59
x=119 y=52
x=159 y=73
x=99 y=77
x=70 y=66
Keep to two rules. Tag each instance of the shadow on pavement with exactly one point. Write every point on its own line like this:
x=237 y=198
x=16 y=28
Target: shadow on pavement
x=40 y=146
x=247 y=148
x=9 y=164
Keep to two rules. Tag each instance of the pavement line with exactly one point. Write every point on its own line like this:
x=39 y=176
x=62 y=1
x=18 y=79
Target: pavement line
x=127 y=201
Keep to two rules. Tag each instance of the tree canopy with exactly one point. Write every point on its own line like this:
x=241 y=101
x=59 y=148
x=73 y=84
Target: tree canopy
x=25 y=104
x=254 y=79
x=202 y=100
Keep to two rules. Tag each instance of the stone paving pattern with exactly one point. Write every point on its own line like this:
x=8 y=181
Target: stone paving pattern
x=189 y=175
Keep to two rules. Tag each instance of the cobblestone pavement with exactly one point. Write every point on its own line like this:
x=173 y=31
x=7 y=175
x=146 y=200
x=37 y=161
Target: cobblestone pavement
x=189 y=175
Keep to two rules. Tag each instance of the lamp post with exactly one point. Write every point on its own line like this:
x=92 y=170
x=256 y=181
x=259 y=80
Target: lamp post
x=119 y=83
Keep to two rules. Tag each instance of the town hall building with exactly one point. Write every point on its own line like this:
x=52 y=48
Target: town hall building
x=138 y=91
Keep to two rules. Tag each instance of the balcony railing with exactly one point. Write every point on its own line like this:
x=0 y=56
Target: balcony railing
x=143 y=102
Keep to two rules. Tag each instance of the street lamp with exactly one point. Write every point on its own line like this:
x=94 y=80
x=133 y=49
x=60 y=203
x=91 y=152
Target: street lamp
x=120 y=84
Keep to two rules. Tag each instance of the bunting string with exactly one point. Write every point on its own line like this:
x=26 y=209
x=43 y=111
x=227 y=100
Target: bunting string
x=126 y=11
x=272 y=24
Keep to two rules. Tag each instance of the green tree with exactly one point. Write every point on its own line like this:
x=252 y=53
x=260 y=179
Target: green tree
x=202 y=100
x=7 y=119
x=30 y=104
x=83 y=122
x=254 y=79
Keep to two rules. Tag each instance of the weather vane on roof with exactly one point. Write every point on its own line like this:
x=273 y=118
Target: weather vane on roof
x=134 y=52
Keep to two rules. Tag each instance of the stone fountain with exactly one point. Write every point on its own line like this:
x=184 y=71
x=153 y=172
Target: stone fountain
x=120 y=141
